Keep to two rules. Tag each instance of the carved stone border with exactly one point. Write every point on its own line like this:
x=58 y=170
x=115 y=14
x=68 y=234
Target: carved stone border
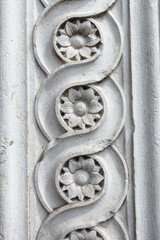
x=145 y=66
x=144 y=25
x=72 y=42
x=13 y=121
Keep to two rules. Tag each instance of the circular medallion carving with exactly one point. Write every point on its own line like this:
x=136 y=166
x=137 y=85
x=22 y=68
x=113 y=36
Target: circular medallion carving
x=80 y=179
x=77 y=40
x=84 y=234
x=80 y=108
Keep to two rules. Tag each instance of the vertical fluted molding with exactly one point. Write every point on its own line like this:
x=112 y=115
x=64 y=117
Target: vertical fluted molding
x=13 y=120
x=144 y=25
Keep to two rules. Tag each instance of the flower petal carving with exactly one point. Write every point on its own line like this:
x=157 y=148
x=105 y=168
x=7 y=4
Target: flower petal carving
x=96 y=178
x=80 y=107
x=85 y=52
x=67 y=107
x=88 y=119
x=71 y=52
x=73 y=191
x=95 y=107
x=88 y=191
x=88 y=95
x=74 y=95
x=73 y=121
x=71 y=28
x=75 y=40
x=74 y=165
x=84 y=234
x=66 y=178
x=63 y=40
x=89 y=165
x=81 y=178
x=76 y=236
x=86 y=28
x=92 y=41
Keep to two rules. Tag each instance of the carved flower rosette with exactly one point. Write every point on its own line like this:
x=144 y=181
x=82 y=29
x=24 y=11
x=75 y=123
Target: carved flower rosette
x=77 y=40
x=84 y=234
x=80 y=179
x=80 y=108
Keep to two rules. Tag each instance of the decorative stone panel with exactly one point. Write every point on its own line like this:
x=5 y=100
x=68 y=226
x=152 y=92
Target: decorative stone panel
x=82 y=178
x=79 y=129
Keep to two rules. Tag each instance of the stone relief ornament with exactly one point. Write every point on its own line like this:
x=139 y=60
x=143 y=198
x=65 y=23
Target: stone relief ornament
x=80 y=107
x=77 y=40
x=109 y=31
x=85 y=234
x=81 y=178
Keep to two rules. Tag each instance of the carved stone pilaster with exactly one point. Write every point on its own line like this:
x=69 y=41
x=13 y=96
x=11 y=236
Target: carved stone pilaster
x=98 y=117
x=81 y=178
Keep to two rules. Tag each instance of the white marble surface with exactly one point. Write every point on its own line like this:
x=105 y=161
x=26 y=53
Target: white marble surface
x=81 y=126
x=80 y=108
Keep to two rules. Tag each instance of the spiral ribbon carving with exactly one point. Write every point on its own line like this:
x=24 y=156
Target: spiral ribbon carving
x=82 y=178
